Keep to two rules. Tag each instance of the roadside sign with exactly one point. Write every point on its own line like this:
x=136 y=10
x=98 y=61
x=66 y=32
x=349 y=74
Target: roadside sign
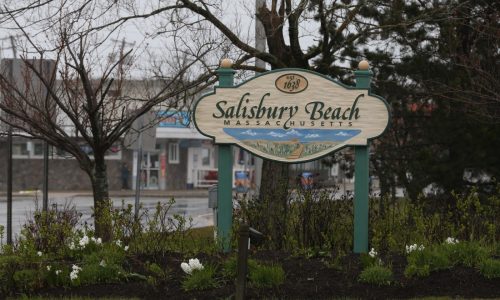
x=145 y=125
x=291 y=115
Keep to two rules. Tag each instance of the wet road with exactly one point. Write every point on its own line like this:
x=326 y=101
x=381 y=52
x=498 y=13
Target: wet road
x=22 y=207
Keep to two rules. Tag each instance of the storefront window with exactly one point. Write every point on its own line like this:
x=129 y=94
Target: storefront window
x=173 y=153
x=205 y=157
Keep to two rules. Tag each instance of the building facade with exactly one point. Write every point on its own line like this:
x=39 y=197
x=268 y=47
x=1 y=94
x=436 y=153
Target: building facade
x=182 y=159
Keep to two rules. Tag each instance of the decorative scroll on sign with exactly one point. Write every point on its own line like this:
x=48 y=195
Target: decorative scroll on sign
x=291 y=115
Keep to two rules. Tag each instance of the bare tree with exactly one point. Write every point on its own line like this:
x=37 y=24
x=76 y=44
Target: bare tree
x=89 y=98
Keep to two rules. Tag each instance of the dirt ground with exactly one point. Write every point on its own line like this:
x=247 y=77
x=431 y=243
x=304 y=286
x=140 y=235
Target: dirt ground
x=306 y=278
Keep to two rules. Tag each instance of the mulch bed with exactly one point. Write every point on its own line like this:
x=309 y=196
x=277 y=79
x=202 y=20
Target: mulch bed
x=306 y=278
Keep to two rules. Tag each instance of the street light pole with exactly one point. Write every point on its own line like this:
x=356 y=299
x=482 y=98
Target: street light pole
x=9 y=161
x=45 y=176
x=9 y=185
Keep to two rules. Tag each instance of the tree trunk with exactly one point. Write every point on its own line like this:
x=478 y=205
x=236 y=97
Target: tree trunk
x=274 y=192
x=102 y=202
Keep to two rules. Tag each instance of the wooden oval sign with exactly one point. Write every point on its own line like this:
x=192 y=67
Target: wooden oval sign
x=291 y=83
x=291 y=115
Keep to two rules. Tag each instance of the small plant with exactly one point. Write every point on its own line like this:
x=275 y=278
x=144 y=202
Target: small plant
x=75 y=271
x=267 y=276
x=412 y=270
x=376 y=274
x=451 y=241
x=490 y=268
x=158 y=275
x=422 y=262
x=193 y=264
x=9 y=264
x=370 y=259
x=229 y=269
x=47 y=231
x=469 y=254
x=409 y=249
x=200 y=279
x=27 y=280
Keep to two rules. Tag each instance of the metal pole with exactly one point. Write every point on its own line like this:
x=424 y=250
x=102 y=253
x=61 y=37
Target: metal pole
x=9 y=186
x=138 y=175
x=9 y=161
x=361 y=181
x=45 y=176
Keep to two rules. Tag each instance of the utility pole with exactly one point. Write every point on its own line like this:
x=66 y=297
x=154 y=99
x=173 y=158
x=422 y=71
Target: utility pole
x=9 y=156
x=260 y=44
x=121 y=60
x=45 y=201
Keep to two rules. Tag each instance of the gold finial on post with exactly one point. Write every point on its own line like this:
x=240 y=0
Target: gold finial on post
x=363 y=65
x=226 y=63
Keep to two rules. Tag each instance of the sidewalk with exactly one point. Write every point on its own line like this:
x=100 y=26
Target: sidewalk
x=195 y=193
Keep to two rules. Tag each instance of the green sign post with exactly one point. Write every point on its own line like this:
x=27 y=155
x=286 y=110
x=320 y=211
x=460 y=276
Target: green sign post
x=362 y=177
x=225 y=174
x=292 y=116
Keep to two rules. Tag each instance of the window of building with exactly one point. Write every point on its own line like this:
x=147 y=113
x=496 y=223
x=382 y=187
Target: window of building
x=205 y=157
x=38 y=148
x=173 y=153
x=20 y=148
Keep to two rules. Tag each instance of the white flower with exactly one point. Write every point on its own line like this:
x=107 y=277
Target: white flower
x=414 y=247
x=39 y=253
x=451 y=241
x=125 y=248
x=102 y=263
x=84 y=241
x=98 y=241
x=186 y=268
x=76 y=268
x=118 y=243
x=72 y=246
x=193 y=264
x=73 y=275
x=58 y=272
x=372 y=252
x=48 y=268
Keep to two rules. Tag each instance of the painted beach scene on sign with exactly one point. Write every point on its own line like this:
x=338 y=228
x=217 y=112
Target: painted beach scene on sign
x=291 y=144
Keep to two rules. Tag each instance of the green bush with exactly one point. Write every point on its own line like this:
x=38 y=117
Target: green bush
x=378 y=275
x=445 y=256
x=412 y=270
x=490 y=268
x=469 y=254
x=368 y=260
x=56 y=274
x=8 y=266
x=158 y=233
x=230 y=267
x=433 y=257
x=305 y=219
x=267 y=276
x=157 y=274
x=110 y=253
x=27 y=281
x=422 y=262
x=47 y=231
x=200 y=279
x=100 y=273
